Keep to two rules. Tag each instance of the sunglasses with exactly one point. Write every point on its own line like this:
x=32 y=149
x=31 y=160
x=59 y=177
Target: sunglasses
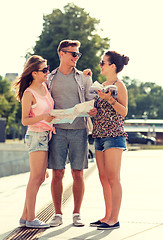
x=74 y=54
x=44 y=70
x=102 y=63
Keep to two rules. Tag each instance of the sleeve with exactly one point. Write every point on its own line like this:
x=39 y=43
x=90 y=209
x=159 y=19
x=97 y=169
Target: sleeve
x=87 y=84
x=48 y=81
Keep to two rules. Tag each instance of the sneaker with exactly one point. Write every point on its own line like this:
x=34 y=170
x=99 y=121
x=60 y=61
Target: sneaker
x=77 y=221
x=36 y=223
x=105 y=226
x=22 y=222
x=56 y=221
x=96 y=224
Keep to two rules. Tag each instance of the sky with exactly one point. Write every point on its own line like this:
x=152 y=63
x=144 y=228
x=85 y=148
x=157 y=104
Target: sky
x=134 y=28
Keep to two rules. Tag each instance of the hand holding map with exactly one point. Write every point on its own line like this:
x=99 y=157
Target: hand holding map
x=69 y=115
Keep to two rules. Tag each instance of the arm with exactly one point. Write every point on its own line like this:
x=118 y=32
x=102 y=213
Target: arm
x=27 y=102
x=88 y=96
x=120 y=106
x=87 y=81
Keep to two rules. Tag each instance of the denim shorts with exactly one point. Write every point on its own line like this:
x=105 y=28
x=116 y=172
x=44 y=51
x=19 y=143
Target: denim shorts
x=37 y=141
x=102 y=144
x=71 y=145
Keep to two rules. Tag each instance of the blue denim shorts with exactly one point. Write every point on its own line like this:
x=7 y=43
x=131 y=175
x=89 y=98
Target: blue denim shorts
x=71 y=145
x=37 y=141
x=102 y=144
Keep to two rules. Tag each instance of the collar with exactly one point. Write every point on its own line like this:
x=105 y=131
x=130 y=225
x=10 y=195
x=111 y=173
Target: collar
x=76 y=71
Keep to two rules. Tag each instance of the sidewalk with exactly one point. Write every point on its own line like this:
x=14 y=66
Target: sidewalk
x=141 y=215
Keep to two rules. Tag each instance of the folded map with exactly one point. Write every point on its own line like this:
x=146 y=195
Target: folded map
x=68 y=115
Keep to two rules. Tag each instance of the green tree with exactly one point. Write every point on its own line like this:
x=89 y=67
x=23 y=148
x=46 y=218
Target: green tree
x=144 y=99
x=8 y=104
x=76 y=24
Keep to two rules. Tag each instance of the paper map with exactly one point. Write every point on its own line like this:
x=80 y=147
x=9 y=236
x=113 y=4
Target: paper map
x=68 y=115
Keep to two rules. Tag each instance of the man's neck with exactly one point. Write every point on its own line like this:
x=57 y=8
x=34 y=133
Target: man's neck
x=65 y=70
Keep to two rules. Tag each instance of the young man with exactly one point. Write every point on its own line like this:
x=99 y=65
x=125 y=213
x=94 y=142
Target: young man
x=68 y=87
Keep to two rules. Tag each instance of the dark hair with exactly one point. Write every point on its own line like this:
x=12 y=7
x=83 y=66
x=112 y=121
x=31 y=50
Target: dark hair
x=67 y=43
x=26 y=78
x=117 y=59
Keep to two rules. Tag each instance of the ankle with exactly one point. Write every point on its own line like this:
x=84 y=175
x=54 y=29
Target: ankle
x=30 y=219
x=59 y=215
x=76 y=214
x=112 y=222
x=104 y=220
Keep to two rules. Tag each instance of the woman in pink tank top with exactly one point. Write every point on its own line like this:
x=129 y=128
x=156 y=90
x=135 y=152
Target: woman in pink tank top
x=37 y=104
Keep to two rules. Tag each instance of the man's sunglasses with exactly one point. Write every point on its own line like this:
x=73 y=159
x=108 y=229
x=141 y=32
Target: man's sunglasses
x=74 y=54
x=44 y=70
x=103 y=62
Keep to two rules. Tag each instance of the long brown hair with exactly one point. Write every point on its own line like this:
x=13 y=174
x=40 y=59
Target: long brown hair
x=26 y=78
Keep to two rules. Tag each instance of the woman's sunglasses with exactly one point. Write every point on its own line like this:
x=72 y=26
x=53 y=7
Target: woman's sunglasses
x=102 y=63
x=74 y=54
x=44 y=70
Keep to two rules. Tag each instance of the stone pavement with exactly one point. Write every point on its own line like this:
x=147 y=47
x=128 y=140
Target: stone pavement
x=141 y=215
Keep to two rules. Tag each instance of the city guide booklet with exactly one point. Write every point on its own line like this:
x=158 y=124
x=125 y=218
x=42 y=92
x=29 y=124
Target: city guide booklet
x=98 y=86
x=68 y=115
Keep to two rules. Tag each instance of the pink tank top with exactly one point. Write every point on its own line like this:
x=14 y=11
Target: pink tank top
x=44 y=104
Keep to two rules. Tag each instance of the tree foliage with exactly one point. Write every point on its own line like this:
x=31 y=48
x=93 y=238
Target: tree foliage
x=76 y=24
x=9 y=106
x=145 y=99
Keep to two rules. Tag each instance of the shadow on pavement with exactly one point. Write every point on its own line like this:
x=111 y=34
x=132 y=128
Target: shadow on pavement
x=94 y=235
x=57 y=231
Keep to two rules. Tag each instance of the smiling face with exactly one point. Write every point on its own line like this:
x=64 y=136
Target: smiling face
x=42 y=73
x=67 y=57
x=107 y=67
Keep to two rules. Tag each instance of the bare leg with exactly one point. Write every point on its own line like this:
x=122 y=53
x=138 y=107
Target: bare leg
x=57 y=189
x=78 y=189
x=105 y=185
x=38 y=165
x=112 y=166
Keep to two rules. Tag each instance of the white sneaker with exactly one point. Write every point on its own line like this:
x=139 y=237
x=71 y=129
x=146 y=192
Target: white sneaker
x=77 y=221
x=56 y=221
x=36 y=223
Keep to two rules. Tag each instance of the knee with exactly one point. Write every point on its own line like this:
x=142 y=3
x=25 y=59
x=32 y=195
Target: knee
x=113 y=179
x=37 y=180
x=58 y=175
x=103 y=178
x=77 y=175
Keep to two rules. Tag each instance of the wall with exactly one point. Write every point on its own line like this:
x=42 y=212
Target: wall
x=14 y=159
